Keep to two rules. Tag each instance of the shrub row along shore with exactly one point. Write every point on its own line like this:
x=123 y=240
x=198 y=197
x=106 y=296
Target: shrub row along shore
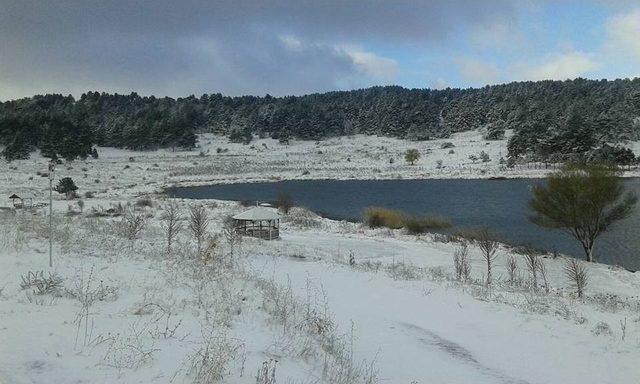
x=376 y=217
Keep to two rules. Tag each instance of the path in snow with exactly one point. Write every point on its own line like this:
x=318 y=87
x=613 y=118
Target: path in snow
x=458 y=352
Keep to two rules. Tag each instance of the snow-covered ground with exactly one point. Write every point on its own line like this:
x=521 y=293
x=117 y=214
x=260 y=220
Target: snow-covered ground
x=330 y=302
x=124 y=173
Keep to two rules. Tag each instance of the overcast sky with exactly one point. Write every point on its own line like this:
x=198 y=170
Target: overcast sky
x=184 y=47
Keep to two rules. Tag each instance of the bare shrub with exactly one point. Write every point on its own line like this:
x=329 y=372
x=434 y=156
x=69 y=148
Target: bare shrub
x=609 y=302
x=352 y=259
x=542 y=268
x=209 y=252
x=284 y=202
x=87 y=293
x=577 y=275
x=310 y=325
x=267 y=372
x=130 y=351
x=488 y=246
x=42 y=285
x=404 y=271
x=369 y=266
x=461 y=263
x=210 y=362
x=602 y=328
x=171 y=223
x=144 y=202
x=132 y=223
x=470 y=235
x=161 y=325
x=532 y=260
x=512 y=269
x=198 y=223
x=437 y=272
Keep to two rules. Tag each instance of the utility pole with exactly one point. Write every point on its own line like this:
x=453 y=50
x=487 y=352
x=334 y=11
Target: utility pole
x=52 y=166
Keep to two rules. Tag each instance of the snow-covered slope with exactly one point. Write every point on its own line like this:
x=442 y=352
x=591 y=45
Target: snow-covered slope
x=330 y=302
x=126 y=311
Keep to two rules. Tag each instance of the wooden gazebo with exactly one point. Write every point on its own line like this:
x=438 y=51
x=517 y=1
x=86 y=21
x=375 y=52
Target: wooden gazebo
x=17 y=201
x=261 y=222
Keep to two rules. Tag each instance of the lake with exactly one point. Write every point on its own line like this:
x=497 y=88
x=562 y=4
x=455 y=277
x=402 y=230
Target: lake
x=497 y=204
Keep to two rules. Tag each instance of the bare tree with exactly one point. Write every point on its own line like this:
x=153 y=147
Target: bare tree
x=198 y=223
x=171 y=223
x=234 y=239
x=488 y=246
x=512 y=269
x=461 y=262
x=284 y=202
x=582 y=201
x=575 y=271
x=543 y=273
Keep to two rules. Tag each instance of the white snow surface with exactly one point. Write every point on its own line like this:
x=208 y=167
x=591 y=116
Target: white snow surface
x=394 y=314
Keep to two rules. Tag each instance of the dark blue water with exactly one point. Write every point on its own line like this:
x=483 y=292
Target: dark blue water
x=497 y=204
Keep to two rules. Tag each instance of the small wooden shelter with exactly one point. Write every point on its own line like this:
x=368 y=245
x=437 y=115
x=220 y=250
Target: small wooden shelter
x=261 y=222
x=17 y=201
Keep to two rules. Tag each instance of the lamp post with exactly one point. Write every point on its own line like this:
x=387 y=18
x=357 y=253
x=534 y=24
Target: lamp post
x=52 y=166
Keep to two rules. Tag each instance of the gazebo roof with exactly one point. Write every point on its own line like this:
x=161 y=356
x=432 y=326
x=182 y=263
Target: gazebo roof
x=258 y=213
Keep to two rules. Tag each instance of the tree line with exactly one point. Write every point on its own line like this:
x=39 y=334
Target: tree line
x=555 y=121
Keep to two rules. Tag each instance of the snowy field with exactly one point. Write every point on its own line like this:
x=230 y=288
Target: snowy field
x=330 y=302
x=125 y=173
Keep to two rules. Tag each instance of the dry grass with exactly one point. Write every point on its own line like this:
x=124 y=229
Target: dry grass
x=376 y=217
x=417 y=225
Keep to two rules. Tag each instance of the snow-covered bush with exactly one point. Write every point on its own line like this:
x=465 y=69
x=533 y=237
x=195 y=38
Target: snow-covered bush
x=210 y=361
x=303 y=218
x=132 y=223
x=602 y=328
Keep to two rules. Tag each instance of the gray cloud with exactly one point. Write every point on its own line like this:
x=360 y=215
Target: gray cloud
x=235 y=47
